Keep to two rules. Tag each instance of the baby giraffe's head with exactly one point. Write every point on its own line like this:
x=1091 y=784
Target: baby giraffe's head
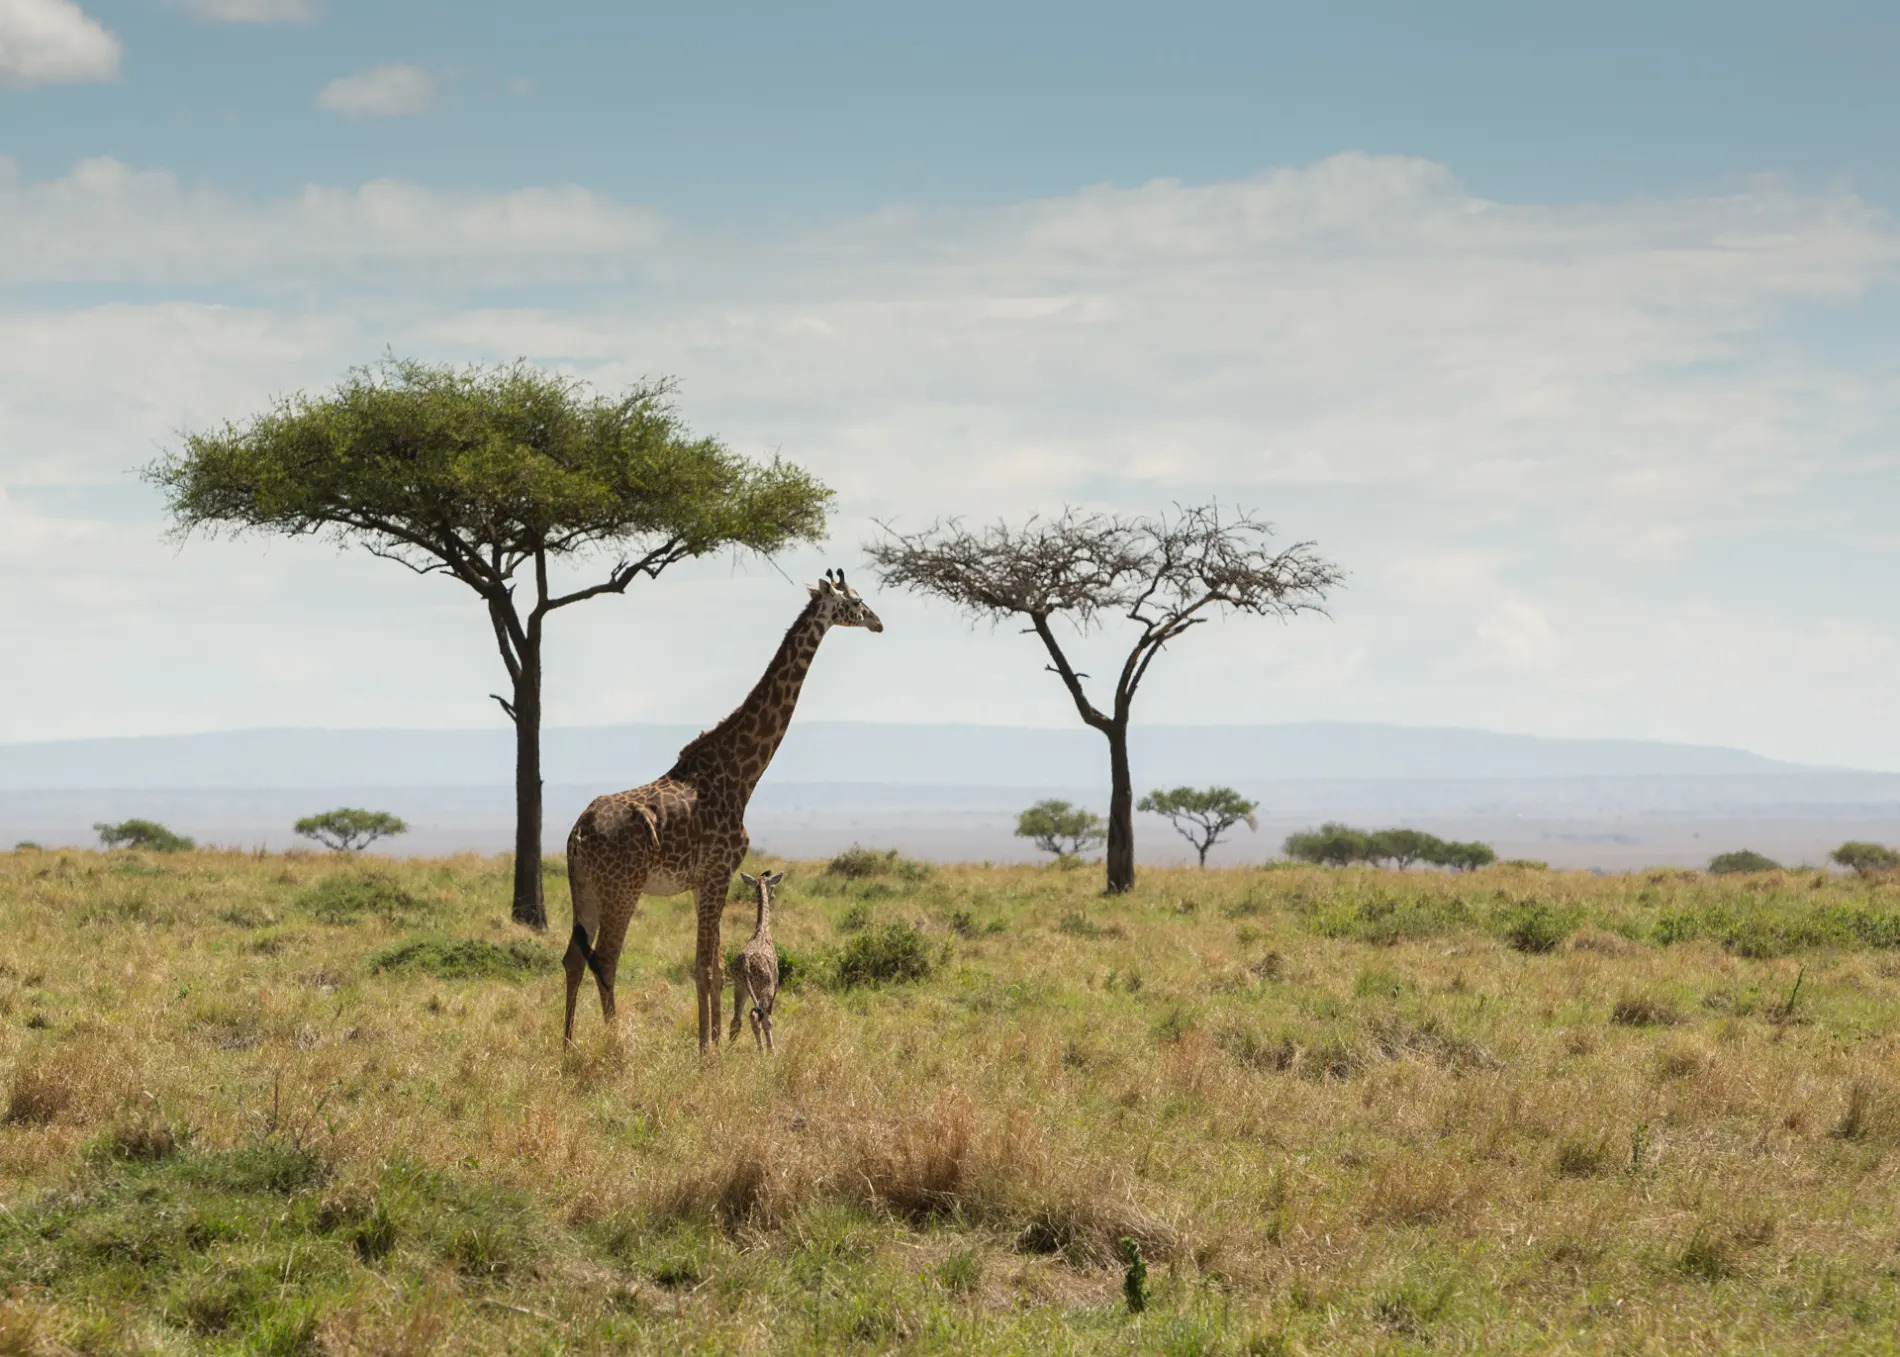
x=839 y=604
x=763 y=885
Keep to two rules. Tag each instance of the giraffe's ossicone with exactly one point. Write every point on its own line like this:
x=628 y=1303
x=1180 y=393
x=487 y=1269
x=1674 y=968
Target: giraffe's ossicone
x=686 y=831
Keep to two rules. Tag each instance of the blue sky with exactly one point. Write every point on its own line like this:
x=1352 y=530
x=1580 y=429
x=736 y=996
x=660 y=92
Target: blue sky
x=1571 y=334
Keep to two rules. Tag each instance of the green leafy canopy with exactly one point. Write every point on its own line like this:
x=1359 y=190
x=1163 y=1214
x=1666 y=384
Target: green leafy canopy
x=1060 y=828
x=348 y=829
x=476 y=469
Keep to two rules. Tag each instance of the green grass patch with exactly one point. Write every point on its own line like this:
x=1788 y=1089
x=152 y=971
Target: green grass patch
x=464 y=959
x=348 y=897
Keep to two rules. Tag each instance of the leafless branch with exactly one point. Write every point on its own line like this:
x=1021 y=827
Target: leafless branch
x=1166 y=573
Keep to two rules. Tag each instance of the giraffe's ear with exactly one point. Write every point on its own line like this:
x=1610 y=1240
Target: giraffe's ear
x=773 y=878
x=749 y=880
x=813 y=589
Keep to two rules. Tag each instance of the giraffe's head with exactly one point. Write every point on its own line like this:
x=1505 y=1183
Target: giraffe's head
x=839 y=604
x=762 y=885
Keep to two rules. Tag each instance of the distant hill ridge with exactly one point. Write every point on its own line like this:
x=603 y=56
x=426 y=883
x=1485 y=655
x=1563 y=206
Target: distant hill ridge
x=858 y=752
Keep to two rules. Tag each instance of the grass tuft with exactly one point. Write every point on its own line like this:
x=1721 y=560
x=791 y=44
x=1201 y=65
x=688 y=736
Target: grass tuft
x=465 y=959
x=1644 y=1010
x=347 y=897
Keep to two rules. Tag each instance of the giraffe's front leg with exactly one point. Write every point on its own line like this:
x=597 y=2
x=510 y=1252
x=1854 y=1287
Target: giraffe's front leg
x=709 y=965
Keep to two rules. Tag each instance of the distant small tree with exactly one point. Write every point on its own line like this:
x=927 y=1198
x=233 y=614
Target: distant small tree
x=1166 y=575
x=143 y=834
x=1060 y=828
x=1201 y=814
x=1332 y=844
x=1862 y=858
x=1462 y=857
x=348 y=830
x=1402 y=847
x=1743 y=860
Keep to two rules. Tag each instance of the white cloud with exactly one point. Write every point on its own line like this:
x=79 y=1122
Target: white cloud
x=1511 y=422
x=391 y=91
x=54 y=42
x=254 y=11
x=107 y=222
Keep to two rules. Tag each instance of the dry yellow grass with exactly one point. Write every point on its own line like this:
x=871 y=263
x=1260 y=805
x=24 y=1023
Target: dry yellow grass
x=242 y=1109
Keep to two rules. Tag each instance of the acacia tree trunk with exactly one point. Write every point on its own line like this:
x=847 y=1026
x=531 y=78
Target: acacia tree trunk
x=529 y=907
x=1121 y=810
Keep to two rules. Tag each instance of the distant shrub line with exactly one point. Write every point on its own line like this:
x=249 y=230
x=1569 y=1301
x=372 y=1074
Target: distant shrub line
x=1337 y=845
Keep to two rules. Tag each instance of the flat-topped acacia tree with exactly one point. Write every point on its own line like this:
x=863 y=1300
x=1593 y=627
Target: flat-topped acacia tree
x=492 y=475
x=1166 y=574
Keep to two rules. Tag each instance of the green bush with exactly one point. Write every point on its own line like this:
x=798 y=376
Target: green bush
x=888 y=955
x=1332 y=844
x=1743 y=860
x=147 y=834
x=1402 y=847
x=1463 y=857
x=464 y=959
x=857 y=863
x=1862 y=858
x=1534 y=927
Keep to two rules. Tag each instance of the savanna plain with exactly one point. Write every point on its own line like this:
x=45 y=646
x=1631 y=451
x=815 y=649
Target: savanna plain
x=283 y=1104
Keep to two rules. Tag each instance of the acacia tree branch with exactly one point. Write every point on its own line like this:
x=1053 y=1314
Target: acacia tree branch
x=508 y=637
x=1070 y=679
x=437 y=566
x=625 y=572
x=1152 y=645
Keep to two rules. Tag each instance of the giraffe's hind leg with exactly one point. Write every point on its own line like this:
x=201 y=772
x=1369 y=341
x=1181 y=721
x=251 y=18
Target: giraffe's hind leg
x=575 y=963
x=613 y=935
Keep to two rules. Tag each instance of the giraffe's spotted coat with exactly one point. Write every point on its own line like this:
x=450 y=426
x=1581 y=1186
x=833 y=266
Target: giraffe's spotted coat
x=686 y=831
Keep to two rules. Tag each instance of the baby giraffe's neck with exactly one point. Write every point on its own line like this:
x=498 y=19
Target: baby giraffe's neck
x=763 y=929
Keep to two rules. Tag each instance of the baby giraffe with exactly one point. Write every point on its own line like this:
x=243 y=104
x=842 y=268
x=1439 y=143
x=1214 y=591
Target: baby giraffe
x=755 y=970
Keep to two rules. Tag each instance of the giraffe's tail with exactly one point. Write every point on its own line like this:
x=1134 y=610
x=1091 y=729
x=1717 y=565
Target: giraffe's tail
x=586 y=914
x=579 y=942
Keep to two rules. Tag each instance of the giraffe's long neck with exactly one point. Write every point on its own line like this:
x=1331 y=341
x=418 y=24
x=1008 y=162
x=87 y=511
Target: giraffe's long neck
x=763 y=928
x=741 y=746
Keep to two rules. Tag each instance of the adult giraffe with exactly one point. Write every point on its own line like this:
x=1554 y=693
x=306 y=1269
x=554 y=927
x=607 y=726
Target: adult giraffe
x=686 y=831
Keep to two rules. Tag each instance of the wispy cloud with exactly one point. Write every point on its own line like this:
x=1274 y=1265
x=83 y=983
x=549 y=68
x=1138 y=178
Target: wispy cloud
x=54 y=42
x=391 y=91
x=106 y=221
x=254 y=11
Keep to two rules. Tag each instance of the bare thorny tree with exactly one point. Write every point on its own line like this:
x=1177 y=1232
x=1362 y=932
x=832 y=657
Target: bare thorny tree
x=1165 y=574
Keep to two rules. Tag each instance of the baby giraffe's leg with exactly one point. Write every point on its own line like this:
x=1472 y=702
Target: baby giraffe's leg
x=765 y=1020
x=741 y=996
